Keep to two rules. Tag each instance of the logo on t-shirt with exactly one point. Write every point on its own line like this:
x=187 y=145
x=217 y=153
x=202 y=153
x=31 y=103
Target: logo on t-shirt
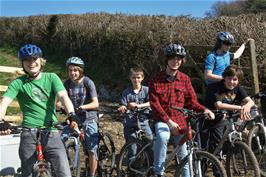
x=38 y=95
x=226 y=97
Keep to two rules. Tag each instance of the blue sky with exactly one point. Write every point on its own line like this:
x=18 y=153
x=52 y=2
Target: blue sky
x=195 y=8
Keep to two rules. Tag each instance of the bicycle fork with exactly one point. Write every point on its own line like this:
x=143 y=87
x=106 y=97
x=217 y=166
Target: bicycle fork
x=263 y=128
x=41 y=165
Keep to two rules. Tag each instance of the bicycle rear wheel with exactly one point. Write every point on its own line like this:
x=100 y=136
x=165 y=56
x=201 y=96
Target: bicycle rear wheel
x=257 y=142
x=204 y=164
x=72 y=150
x=106 y=155
x=241 y=161
x=134 y=161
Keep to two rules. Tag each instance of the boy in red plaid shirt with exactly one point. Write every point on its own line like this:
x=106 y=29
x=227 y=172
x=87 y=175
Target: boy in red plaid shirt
x=171 y=88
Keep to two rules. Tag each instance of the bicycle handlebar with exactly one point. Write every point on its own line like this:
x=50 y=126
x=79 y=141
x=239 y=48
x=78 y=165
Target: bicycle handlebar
x=258 y=95
x=137 y=110
x=190 y=113
x=18 y=129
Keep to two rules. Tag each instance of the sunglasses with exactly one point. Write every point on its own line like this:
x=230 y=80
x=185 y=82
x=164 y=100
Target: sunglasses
x=179 y=57
x=227 y=43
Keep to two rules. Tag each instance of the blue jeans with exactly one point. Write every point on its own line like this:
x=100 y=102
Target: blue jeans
x=91 y=136
x=160 y=149
x=54 y=152
x=129 y=131
x=129 y=134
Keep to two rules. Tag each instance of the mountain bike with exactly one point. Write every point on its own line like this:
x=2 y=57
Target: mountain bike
x=140 y=164
x=257 y=136
x=42 y=167
x=239 y=158
x=74 y=143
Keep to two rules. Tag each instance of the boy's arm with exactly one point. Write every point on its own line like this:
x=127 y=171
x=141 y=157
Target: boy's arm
x=133 y=105
x=123 y=103
x=241 y=49
x=213 y=77
x=144 y=105
x=5 y=102
x=4 y=126
x=94 y=104
x=248 y=103
x=226 y=106
x=65 y=100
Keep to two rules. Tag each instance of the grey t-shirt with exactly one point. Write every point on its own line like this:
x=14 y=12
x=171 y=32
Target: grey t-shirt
x=81 y=94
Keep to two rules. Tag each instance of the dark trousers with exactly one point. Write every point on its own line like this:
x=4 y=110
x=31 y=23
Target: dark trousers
x=211 y=134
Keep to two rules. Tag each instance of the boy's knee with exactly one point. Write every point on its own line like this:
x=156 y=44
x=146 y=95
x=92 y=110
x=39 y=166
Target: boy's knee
x=163 y=137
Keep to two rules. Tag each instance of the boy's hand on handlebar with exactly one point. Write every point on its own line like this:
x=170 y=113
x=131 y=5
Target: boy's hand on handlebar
x=5 y=128
x=132 y=105
x=174 y=127
x=210 y=114
x=245 y=113
x=72 y=117
x=122 y=109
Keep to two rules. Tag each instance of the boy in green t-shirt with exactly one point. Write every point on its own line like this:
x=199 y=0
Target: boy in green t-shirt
x=36 y=93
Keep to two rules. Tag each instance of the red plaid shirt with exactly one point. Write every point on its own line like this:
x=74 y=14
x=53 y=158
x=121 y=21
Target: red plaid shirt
x=165 y=93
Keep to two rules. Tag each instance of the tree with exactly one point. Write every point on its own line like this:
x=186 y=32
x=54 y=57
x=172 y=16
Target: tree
x=237 y=7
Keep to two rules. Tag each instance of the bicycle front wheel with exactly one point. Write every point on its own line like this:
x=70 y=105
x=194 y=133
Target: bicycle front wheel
x=106 y=160
x=203 y=164
x=257 y=142
x=134 y=160
x=241 y=161
x=72 y=150
x=41 y=169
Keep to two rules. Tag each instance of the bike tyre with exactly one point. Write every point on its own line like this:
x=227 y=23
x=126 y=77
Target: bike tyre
x=200 y=156
x=123 y=158
x=106 y=155
x=254 y=133
x=70 y=150
x=237 y=147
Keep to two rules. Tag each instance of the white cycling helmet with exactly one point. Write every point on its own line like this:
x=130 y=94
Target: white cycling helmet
x=75 y=61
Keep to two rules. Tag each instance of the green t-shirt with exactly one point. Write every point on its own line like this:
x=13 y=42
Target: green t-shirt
x=36 y=98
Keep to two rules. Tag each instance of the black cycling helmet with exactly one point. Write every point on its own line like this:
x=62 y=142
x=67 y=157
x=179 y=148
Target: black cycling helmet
x=174 y=50
x=29 y=51
x=225 y=37
x=75 y=61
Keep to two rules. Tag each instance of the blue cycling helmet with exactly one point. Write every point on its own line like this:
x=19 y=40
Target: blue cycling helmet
x=75 y=61
x=29 y=51
x=174 y=49
x=225 y=37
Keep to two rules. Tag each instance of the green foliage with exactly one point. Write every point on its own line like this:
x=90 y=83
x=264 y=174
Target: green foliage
x=256 y=6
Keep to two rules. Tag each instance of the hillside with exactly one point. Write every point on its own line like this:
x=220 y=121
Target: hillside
x=111 y=44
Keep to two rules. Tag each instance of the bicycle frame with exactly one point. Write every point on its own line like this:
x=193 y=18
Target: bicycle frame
x=41 y=165
x=230 y=134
